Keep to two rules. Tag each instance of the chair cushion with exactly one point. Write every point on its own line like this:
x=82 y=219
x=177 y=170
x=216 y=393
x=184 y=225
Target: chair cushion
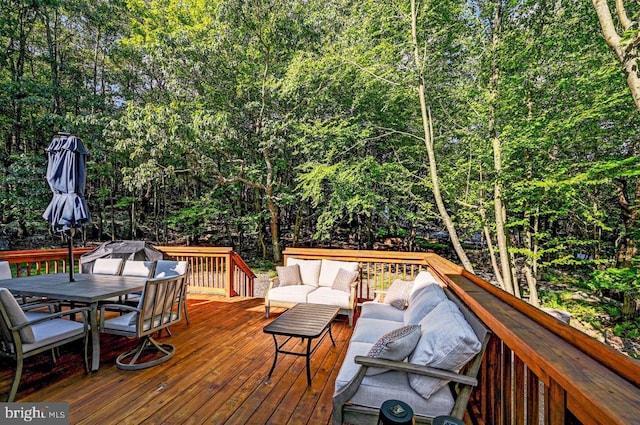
x=423 y=302
x=329 y=296
x=330 y=269
x=51 y=331
x=168 y=268
x=16 y=315
x=110 y=266
x=137 y=268
x=394 y=345
x=447 y=342
x=309 y=270
x=289 y=275
x=398 y=294
x=344 y=279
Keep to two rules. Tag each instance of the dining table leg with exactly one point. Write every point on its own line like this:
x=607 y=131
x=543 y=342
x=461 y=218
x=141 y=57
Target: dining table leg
x=95 y=337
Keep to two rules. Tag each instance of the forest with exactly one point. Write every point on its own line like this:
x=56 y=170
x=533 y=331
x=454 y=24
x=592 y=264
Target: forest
x=501 y=134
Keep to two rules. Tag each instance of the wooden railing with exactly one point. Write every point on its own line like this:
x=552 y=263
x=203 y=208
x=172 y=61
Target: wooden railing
x=537 y=370
x=213 y=270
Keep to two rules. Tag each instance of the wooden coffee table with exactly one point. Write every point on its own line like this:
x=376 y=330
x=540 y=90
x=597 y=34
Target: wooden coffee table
x=305 y=321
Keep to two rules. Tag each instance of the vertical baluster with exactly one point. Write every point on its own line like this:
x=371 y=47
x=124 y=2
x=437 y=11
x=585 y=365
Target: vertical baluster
x=533 y=398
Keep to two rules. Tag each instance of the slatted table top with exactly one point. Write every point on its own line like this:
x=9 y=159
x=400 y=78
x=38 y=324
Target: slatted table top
x=303 y=321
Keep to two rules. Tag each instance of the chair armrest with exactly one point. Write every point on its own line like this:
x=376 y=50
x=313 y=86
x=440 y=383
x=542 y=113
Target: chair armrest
x=380 y=294
x=41 y=304
x=274 y=282
x=416 y=369
x=118 y=307
x=83 y=310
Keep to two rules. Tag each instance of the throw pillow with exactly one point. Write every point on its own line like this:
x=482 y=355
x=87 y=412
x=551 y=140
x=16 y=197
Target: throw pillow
x=16 y=316
x=394 y=345
x=344 y=279
x=398 y=293
x=289 y=275
x=447 y=342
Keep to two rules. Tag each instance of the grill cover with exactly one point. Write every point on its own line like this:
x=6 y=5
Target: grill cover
x=127 y=250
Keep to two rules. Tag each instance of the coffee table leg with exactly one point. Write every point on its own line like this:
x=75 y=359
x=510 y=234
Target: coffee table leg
x=275 y=359
x=331 y=335
x=308 y=362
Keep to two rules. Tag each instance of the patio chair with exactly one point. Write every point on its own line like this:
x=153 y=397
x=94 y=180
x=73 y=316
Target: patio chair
x=160 y=307
x=25 y=335
x=166 y=268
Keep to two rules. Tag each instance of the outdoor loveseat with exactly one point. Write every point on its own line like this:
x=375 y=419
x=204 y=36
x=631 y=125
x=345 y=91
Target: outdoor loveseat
x=314 y=281
x=420 y=345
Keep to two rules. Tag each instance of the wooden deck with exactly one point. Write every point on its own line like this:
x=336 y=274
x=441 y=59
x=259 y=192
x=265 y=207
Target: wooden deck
x=217 y=375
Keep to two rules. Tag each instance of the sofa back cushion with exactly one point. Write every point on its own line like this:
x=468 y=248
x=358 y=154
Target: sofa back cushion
x=330 y=269
x=309 y=270
x=448 y=342
x=422 y=279
x=423 y=302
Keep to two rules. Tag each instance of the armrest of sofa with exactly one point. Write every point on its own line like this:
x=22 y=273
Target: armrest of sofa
x=367 y=361
x=274 y=282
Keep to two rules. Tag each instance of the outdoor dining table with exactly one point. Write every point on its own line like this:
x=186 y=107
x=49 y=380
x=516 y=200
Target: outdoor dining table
x=87 y=289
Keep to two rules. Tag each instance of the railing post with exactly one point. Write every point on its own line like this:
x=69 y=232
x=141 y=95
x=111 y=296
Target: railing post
x=230 y=272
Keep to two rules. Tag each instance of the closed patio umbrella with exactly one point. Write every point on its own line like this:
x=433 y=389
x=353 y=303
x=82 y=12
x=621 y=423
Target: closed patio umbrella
x=66 y=174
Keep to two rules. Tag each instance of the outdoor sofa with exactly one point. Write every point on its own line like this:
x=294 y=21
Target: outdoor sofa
x=419 y=345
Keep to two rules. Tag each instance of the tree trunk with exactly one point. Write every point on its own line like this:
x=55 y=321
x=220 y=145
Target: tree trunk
x=500 y=211
x=427 y=125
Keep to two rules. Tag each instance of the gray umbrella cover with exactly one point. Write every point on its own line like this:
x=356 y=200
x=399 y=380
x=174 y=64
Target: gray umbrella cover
x=66 y=174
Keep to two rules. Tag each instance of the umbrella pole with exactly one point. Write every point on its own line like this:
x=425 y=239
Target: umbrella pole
x=71 y=263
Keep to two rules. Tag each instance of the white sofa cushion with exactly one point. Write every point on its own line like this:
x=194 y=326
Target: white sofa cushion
x=329 y=296
x=309 y=270
x=291 y=294
x=423 y=302
x=330 y=268
x=447 y=342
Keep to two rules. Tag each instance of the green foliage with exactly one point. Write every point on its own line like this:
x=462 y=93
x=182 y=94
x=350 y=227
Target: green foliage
x=626 y=279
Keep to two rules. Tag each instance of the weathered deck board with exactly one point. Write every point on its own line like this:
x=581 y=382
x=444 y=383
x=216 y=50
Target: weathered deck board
x=216 y=376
